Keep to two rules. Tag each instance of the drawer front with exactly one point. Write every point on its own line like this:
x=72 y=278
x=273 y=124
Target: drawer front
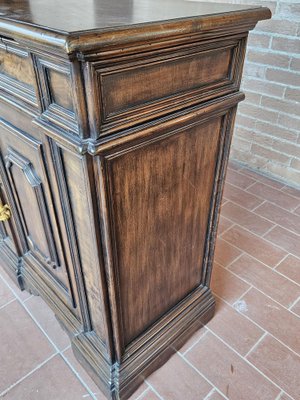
x=17 y=78
x=134 y=92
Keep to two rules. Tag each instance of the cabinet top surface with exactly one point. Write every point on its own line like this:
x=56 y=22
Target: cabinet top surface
x=72 y=16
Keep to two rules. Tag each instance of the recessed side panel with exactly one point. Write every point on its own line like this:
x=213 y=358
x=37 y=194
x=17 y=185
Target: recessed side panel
x=160 y=196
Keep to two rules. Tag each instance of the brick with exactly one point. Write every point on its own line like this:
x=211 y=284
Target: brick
x=295 y=64
x=263 y=140
x=248 y=158
x=263 y=87
x=268 y=58
x=288 y=121
x=275 y=130
x=255 y=70
x=281 y=105
x=285 y=77
x=295 y=163
x=259 y=40
x=244 y=120
x=285 y=173
x=292 y=94
x=253 y=98
x=270 y=154
x=287 y=148
x=289 y=10
x=244 y=133
x=242 y=144
x=281 y=26
x=258 y=112
x=285 y=44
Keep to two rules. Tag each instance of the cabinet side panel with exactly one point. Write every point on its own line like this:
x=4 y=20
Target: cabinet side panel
x=161 y=196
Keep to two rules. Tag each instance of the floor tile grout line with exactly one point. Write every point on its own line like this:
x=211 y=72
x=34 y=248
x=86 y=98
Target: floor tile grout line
x=240 y=171
x=260 y=197
x=28 y=374
x=72 y=368
x=256 y=207
x=244 y=294
x=209 y=394
x=256 y=259
x=8 y=303
x=227 y=229
x=245 y=359
x=249 y=186
x=197 y=341
x=251 y=212
x=267 y=240
x=293 y=304
x=201 y=374
x=143 y=393
x=259 y=290
x=259 y=181
x=259 y=326
x=256 y=344
x=264 y=200
x=54 y=345
x=272 y=187
x=264 y=234
x=281 y=261
x=154 y=390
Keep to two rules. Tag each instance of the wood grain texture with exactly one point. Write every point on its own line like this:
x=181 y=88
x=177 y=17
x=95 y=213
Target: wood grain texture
x=115 y=128
x=160 y=194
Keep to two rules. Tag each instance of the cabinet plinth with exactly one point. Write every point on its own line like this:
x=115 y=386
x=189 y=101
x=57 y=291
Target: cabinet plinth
x=115 y=128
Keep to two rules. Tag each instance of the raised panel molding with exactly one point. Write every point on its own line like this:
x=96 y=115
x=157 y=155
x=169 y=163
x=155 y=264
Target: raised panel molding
x=128 y=91
x=14 y=158
x=17 y=80
x=55 y=93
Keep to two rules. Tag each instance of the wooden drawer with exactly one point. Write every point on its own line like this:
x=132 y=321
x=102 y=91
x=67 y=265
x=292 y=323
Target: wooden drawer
x=17 y=79
x=134 y=91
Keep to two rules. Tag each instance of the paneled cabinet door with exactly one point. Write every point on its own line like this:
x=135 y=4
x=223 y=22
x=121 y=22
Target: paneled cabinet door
x=25 y=181
x=7 y=228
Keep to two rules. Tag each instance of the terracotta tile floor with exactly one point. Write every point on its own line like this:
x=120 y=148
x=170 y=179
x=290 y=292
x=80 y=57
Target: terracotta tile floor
x=248 y=351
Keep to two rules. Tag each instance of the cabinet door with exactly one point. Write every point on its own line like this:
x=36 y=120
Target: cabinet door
x=7 y=228
x=24 y=176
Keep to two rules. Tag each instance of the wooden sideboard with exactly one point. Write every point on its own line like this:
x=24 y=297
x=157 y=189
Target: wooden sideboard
x=115 y=129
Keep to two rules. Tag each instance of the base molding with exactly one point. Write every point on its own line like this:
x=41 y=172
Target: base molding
x=120 y=380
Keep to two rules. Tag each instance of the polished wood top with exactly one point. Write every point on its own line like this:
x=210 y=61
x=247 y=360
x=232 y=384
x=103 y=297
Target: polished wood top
x=76 y=24
x=78 y=15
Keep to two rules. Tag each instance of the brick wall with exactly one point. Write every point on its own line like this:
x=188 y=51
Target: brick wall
x=267 y=134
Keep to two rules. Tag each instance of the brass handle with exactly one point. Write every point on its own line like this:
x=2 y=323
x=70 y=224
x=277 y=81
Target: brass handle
x=5 y=212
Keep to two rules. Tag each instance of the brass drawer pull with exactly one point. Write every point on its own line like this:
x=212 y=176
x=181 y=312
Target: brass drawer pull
x=5 y=212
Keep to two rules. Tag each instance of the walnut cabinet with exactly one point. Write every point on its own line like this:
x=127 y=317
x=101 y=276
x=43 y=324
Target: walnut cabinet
x=115 y=127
